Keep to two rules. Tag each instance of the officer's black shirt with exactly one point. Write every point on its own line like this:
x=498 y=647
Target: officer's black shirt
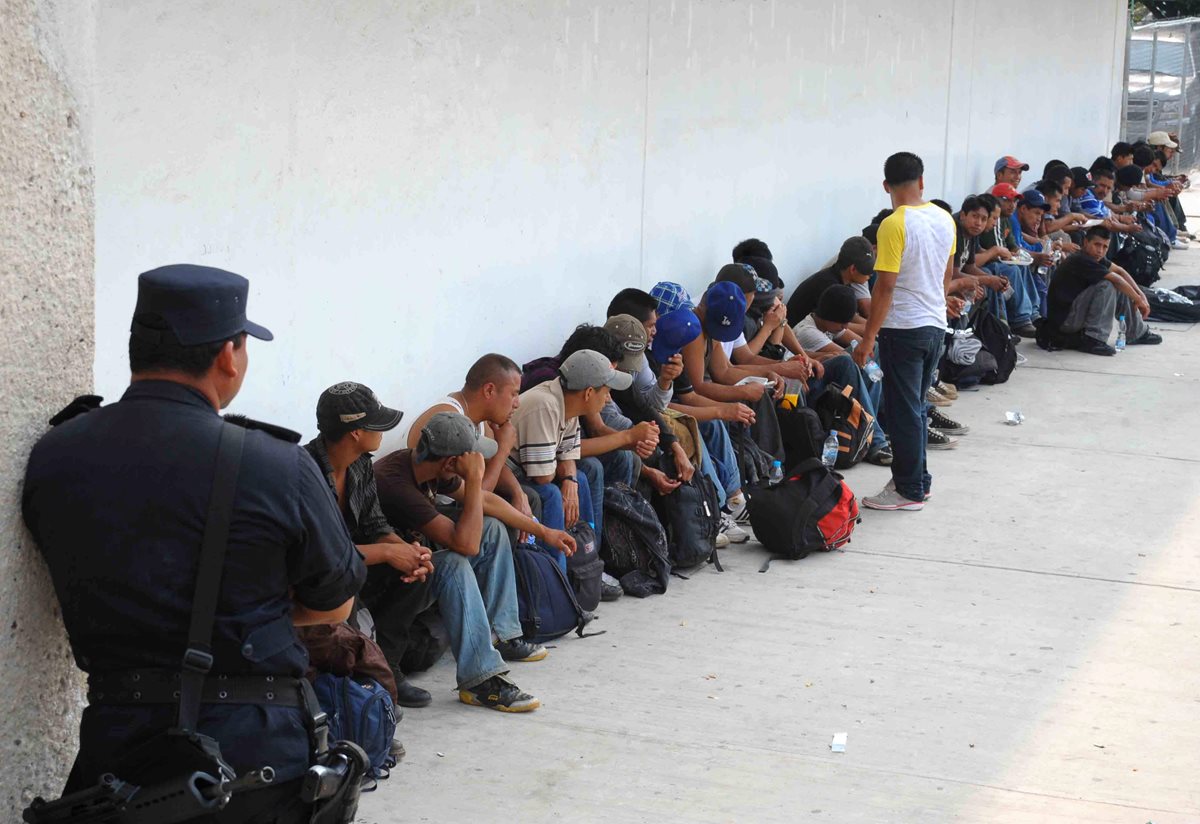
x=116 y=500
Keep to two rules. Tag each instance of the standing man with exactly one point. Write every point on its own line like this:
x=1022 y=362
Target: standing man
x=916 y=244
x=117 y=500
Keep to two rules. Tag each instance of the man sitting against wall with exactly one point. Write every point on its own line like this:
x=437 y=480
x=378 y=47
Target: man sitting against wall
x=1008 y=170
x=474 y=579
x=854 y=266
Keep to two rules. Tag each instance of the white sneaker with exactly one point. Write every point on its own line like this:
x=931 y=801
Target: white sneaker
x=737 y=508
x=1179 y=244
x=721 y=541
x=891 y=500
x=734 y=533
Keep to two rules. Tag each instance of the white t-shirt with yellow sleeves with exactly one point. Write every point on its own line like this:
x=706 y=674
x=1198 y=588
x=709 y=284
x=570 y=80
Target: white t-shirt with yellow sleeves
x=916 y=242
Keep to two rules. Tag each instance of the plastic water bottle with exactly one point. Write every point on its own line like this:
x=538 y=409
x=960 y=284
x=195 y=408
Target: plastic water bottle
x=830 y=452
x=1121 y=333
x=872 y=368
x=776 y=476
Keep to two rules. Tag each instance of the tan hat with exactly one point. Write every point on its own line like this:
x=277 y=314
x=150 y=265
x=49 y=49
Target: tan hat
x=1161 y=139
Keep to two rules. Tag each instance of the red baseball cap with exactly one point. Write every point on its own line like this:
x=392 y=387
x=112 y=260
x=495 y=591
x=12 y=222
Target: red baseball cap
x=1010 y=162
x=1005 y=190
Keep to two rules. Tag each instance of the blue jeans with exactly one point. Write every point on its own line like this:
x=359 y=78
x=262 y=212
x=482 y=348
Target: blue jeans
x=709 y=469
x=1022 y=307
x=586 y=470
x=722 y=456
x=1162 y=221
x=618 y=465
x=908 y=358
x=843 y=370
x=478 y=596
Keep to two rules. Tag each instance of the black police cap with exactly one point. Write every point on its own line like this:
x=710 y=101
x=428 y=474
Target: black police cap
x=199 y=304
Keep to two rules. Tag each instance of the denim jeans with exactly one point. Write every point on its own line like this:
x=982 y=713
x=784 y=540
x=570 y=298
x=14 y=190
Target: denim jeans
x=843 y=370
x=709 y=469
x=908 y=358
x=619 y=465
x=478 y=596
x=586 y=469
x=1022 y=307
x=717 y=442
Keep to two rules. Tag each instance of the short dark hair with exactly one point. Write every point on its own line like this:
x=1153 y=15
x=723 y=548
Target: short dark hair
x=1048 y=188
x=1104 y=171
x=1097 y=231
x=1143 y=156
x=990 y=201
x=1130 y=175
x=1052 y=164
x=1102 y=163
x=167 y=354
x=837 y=304
x=1057 y=176
x=881 y=216
x=974 y=203
x=489 y=369
x=1120 y=149
x=901 y=168
x=633 y=302
x=751 y=247
x=943 y=205
x=596 y=338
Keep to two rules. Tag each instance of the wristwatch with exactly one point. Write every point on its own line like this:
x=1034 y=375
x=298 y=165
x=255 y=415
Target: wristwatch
x=570 y=478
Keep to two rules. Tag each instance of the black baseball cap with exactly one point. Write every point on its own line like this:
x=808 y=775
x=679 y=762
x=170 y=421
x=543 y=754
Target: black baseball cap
x=1080 y=177
x=856 y=251
x=347 y=406
x=199 y=304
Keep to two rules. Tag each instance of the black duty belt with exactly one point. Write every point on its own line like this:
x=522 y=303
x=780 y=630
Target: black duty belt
x=151 y=686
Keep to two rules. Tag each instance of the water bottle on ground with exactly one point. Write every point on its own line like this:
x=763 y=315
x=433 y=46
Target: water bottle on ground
x=775 y=478
x=1121 y=333
x=872 y=368
x=830 y=451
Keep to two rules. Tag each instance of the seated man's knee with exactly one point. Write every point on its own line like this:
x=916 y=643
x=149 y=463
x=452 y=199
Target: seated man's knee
x=494 y=537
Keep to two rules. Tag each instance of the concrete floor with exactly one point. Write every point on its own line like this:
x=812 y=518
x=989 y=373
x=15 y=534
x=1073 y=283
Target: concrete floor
x=1023 y=650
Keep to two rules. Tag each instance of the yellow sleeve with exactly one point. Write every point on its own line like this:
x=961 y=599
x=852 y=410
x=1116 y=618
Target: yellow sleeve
x=890 y=242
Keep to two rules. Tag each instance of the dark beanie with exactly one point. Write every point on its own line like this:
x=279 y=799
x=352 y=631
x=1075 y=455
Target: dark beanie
x=837 y=304
x=1129 y=175
x=765 y=269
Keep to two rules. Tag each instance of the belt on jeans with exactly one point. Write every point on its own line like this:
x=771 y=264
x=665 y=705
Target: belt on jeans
x=157 y=686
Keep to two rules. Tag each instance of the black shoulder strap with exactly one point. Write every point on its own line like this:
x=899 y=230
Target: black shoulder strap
x=198 y=660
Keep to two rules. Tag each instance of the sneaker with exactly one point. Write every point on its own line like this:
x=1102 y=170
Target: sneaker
x=734 y=533
x=935 y=439
x=1026 y=331
x=518 y=649
x=1179 y=243
x=738 y=509
x=610 y=592
x=937 y=398
x=892 y=486
x=1095 y=347
x=1150 y=338
x=891 y=500
x=721 y=541
x=881 y=456
x=945 y=425
x=498 y=693
x=947 y=390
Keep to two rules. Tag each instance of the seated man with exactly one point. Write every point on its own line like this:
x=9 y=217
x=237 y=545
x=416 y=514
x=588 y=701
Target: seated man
x=351 y=422
x=488 y=397
x=548 y=441
x=473 y=577
x=1087 y=293
x=969 y=224
x=854 y=265
x=1121 y=154
x=1008 y=170
x=1027 y=229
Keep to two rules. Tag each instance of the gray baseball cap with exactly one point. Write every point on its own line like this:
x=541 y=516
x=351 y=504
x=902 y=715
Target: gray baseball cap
x=449 y=434
x=632 y=335
x=587 y=368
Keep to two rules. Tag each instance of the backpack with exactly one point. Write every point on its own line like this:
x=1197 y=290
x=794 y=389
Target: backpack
x=360 y=710
x=546 y=604
x=754 y=463
x=1142 y=257
x=584 y=568
x=999 y=343
x=839 y=411
x=692 y=517
x=811 y=511
x=538 y=371
x=802 y=431
x=634 y=549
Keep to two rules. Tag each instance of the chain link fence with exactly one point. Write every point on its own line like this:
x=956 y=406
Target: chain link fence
x=1162 y=88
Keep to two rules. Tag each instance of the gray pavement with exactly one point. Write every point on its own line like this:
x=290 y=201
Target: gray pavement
x=1023 y=650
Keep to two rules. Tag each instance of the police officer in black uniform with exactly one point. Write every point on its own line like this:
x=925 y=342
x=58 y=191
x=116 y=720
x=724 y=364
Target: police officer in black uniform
x=117 y=499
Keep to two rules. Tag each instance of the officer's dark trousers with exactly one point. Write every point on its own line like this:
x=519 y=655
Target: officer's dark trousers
x=394 y=605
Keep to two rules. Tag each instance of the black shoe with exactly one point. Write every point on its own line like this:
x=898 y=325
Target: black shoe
x=410 y=695
x=609 y=592
x=518 y=649
x=945 y=424
x=1094 y=347
x=881 y=456
x=1026 y=331
x=498 y=693
x=1150 y=339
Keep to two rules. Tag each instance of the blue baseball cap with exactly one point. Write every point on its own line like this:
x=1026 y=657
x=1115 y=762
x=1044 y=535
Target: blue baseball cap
x=1034 y=199
x=671 y=296
x=674 y=331
x=199 y=304
x=724 y=311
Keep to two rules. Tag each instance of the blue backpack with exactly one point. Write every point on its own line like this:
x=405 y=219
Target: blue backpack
x=361 y=712
x=546 y=603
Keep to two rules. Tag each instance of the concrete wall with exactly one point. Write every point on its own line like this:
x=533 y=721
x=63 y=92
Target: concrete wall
x=410 y=184
x=46 y=354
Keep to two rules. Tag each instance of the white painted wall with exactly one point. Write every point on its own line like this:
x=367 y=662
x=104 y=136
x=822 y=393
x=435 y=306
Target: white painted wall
x=411 y=184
